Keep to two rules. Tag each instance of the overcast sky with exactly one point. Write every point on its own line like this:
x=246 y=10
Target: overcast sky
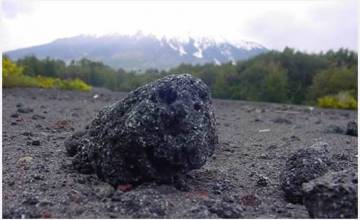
x=307 y=25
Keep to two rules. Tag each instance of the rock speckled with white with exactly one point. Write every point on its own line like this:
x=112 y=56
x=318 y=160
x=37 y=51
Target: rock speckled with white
x=160 y=130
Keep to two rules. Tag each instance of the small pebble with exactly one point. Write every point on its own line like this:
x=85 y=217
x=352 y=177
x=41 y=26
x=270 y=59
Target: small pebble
x=262 y=181
x=35 y=142
x=25 y=110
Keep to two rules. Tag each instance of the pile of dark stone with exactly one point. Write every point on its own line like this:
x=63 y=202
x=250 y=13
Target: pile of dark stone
x=310 y=178
x=159 y=132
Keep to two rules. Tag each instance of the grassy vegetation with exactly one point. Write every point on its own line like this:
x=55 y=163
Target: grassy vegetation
x=13 y=77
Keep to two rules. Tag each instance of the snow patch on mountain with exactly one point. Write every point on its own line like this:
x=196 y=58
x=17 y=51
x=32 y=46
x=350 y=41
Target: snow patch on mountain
x=198 y=54
x=182 y=51
x=142 y=51
x=217 y=62
x=199 y=51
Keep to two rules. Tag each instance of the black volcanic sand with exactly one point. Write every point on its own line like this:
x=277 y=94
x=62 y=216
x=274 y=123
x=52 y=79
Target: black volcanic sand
x=241 y=179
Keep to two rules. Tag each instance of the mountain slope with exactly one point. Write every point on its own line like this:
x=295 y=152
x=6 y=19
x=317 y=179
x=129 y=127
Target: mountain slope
x=142 y=51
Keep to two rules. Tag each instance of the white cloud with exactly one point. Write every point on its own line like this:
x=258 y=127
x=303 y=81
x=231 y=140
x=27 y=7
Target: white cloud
x=307 y=25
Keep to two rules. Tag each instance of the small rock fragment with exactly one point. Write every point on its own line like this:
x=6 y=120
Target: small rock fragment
x=25 y=110
x=333 y=195
x=37 y=117
x=19 y=105
x=14 y=115
x=335 y=129
x=43 y=203
x=262 y=180
x=24 y=160
x=351 y=128
x=280 y=120
x=301 y=167
x=294 y=138
x=37 y=177
x=30 y=200
x=36 y=142
x=264 y=156
x=27 y=133
x=258 y=119
x=103 y=190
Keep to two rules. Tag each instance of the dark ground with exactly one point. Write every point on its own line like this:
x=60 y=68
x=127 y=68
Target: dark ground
x=240 y=180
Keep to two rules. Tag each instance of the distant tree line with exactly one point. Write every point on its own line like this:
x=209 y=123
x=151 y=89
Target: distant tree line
x=289 y=76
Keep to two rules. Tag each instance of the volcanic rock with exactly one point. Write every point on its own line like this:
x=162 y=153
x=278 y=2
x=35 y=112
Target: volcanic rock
x=36 y=142
x=163 y=129
x=262 y=181
x=335 y=129
x=25 y=110
x=304 y=165
x=333 y=195
x=351 y=128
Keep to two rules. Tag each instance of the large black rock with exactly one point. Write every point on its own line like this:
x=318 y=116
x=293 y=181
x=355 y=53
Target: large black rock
x=333 y=195
x=303 y=166
x=158 y=131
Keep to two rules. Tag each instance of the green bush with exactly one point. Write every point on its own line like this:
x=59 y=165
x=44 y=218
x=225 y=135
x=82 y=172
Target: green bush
x=44 y=82
x=71 y=84
x=13 y=77
x=19 y=81
x=342 y=100
x=75 y=84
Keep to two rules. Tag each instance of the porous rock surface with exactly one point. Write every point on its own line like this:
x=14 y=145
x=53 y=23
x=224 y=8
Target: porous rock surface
x=304 y=165
x=160 y=130
x=333 y=195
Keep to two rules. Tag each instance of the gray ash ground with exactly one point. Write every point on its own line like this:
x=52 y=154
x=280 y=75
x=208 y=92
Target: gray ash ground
x=241 y=179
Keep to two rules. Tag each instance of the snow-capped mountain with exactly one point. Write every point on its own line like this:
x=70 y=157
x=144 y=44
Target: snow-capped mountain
x=141 y=51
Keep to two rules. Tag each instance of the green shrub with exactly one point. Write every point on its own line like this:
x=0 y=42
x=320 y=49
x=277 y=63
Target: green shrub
x=19 y=81
x=9 y=68
x=13 y=77
x=342 y=100
x=75 y=84
x=44 y=82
